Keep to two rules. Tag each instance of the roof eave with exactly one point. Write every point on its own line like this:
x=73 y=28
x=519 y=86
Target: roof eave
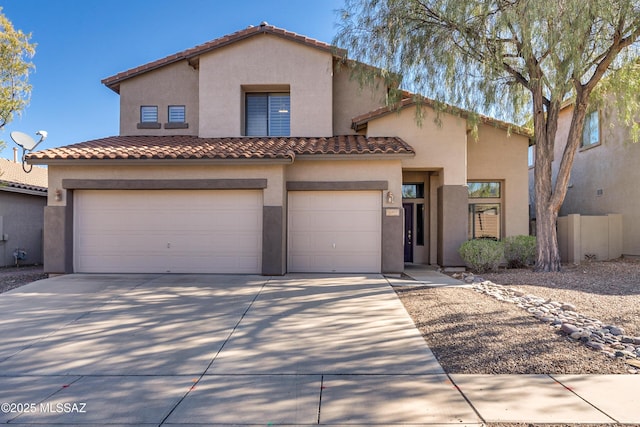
x=113 y=82
x=164 y=161
x=353 y=156
x=42 y=193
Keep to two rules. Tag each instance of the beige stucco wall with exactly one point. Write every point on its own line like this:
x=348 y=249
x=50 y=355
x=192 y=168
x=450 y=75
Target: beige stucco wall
x=351 y=100
x=611 y=167
x=498 y=156
x=351 y=170
x=438 y=146
x=265 y=61
x=273 y=194
x=175 y=84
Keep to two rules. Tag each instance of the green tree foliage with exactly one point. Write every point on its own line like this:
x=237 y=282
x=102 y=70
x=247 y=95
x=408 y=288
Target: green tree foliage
x=15 y=55
x=512 y=59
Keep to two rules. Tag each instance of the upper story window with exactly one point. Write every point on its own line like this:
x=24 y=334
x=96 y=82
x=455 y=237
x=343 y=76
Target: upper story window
x=149 y=117
x=176 y=114
x=177 y=117
x=591 y=130
x=531 y=156
x=267 y=114
x=149 y=114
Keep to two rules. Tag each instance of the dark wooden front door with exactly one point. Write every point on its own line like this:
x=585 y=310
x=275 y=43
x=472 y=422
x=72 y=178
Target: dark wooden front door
x=408 y=232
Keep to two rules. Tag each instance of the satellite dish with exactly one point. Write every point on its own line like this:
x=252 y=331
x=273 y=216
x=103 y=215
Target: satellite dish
x=27 y=143
x=23 y=140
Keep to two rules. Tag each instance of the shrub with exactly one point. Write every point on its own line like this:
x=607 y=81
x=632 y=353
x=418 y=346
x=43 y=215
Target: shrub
x=482 y=255
x=520 y=251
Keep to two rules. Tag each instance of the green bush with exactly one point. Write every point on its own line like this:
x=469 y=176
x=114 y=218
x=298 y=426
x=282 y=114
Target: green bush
x=482 y=255
x=520 y=251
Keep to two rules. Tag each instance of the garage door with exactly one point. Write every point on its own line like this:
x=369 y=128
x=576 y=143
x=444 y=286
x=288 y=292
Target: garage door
x=175 y=231
x=334 y=231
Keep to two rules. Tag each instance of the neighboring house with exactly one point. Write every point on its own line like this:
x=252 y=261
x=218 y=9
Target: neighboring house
x=256 y=153
x=604 y=180
x=23 y=197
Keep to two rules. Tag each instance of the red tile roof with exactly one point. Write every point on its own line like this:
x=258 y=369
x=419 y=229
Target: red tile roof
x=192 y=147
x=13 y=177
x=191 y=54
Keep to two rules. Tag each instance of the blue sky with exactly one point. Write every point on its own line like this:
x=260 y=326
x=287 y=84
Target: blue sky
x=80 y=42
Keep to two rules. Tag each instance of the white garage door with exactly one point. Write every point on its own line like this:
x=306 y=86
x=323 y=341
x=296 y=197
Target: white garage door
x=334 y=231
x=175 y=231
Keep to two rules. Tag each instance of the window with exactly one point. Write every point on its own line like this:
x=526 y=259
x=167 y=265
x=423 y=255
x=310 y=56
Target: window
x=485 y=210
x=591 y=130
x=267 y=114
x=176 y=114
x=532 y=156
x=420 y=224
x=413 y=191
x=149 y=114
x=484 y=189
x=484 y=221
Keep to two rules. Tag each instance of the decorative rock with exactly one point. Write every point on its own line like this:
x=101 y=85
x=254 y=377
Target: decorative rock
x=616 y=331
x=568 y=328
x=609 y=339
x=596 y=346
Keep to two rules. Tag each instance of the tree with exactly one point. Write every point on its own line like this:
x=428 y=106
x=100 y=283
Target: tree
x=15 y=65
x=511 y=59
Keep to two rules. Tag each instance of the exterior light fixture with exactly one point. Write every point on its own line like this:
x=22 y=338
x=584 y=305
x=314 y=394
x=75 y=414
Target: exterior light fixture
x=390 y=197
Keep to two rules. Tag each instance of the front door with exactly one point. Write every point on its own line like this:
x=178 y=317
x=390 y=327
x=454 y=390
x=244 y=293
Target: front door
x=408 y=232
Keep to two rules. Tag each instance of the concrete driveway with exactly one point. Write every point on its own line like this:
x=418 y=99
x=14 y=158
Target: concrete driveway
x=218 y=350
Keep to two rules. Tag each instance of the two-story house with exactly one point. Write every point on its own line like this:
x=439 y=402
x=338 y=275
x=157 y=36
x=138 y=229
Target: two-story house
x=257 y=153
x=603 y=181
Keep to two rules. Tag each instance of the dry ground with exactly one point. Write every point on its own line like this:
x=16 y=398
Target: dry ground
x=471 y=333
x=12 y=277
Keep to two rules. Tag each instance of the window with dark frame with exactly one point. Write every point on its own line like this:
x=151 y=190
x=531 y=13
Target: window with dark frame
x=149 y=114
x=177 y=114
x=267 y=114
x=420 y=224
x=485 y=210
x=413 y=191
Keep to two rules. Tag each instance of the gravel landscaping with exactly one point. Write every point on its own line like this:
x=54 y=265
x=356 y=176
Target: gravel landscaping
x=12 y=277
x=474 y=333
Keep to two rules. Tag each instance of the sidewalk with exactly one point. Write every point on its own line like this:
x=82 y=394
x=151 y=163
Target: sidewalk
x=540 y=399
x=544 y=399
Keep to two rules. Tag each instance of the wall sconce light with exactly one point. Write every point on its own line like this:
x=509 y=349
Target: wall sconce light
x=390 y=197
x=58 y=195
